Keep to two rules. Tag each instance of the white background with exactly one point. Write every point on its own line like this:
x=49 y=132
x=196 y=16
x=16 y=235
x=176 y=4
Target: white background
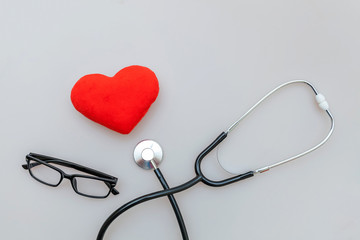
x=213 y=59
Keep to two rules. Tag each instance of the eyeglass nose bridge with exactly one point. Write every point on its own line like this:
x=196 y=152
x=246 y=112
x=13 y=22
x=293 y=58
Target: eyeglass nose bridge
x=72 y=180
x=67 y=176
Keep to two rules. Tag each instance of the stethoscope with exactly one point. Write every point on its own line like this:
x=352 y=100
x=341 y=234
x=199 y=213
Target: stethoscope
x=148 y=155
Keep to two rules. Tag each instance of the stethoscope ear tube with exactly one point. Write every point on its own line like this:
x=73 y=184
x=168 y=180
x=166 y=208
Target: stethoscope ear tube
x=220 y=183
x=321 y=101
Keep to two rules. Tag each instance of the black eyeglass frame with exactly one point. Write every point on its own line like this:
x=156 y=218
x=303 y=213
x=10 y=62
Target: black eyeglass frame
x=110 y=181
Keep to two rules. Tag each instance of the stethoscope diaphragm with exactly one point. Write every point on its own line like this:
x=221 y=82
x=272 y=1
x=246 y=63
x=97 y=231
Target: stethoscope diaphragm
x=148 y=154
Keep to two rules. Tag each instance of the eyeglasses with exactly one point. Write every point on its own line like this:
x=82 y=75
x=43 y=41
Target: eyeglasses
x=96 y=185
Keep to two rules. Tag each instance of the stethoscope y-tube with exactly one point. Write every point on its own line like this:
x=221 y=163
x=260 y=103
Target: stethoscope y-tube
x=200 y=177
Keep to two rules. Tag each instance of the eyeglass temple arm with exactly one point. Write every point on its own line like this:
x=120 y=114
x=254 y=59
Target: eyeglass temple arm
x=65 y=163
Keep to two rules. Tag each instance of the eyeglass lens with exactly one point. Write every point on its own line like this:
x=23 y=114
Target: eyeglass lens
x=91 y=187
x=44 y=173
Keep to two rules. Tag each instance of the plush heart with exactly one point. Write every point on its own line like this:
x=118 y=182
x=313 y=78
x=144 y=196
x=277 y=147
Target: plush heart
x=117 y=102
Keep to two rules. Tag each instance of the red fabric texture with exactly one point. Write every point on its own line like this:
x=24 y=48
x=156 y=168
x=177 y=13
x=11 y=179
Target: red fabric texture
x=117 y=102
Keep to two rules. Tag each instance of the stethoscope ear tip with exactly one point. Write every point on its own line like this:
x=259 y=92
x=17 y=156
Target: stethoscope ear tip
x=148 y=154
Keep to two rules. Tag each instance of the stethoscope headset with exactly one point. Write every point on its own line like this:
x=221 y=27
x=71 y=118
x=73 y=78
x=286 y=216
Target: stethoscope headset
x=148 y=155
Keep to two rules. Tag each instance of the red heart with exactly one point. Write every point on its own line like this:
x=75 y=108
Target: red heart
x=117 y=102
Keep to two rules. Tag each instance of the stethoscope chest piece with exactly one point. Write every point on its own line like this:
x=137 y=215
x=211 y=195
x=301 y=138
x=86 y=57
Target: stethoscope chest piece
x=148 y=154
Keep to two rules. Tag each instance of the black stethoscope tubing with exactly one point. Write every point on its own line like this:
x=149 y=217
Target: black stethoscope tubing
x=200 y=177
